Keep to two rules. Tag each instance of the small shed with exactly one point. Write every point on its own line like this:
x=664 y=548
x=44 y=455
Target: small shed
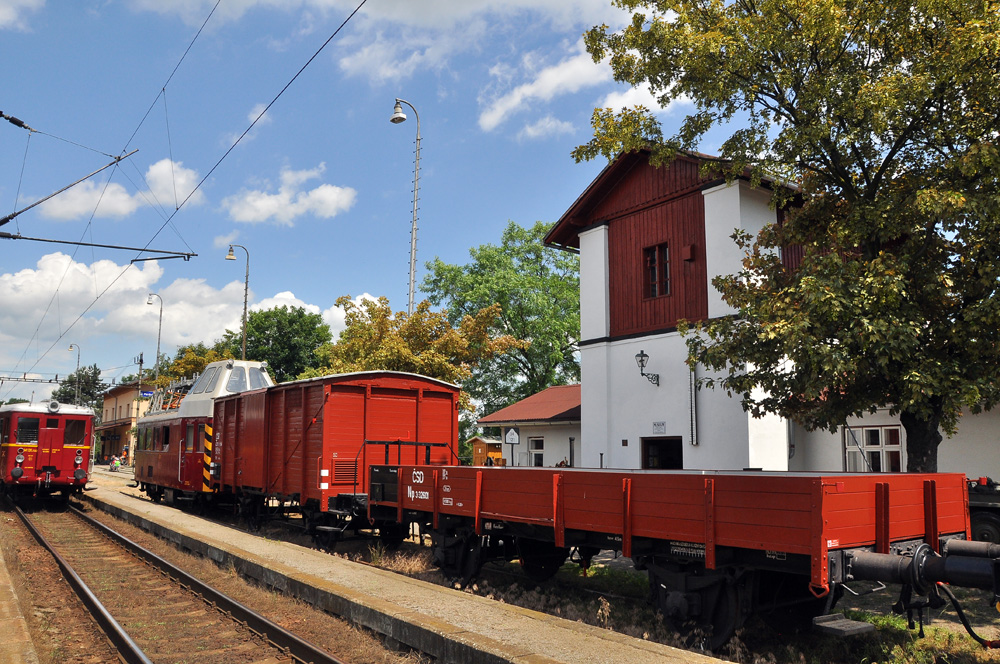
x=486 y=451
x=542 y=430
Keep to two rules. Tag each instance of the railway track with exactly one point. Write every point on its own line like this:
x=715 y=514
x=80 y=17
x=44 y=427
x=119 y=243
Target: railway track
x=154 y=612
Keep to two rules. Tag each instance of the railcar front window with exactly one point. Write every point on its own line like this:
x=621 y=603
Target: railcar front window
x=204 y=381
x=74 y=432
x=27 y=430
x=237 y=381
x=258 y=379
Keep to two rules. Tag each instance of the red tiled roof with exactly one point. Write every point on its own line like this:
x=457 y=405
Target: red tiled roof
x=560 y=403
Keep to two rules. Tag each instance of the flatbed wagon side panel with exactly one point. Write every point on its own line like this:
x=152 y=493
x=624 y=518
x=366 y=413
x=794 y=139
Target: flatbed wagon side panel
x=344 y=417
x=764 y=512
x=854 y=515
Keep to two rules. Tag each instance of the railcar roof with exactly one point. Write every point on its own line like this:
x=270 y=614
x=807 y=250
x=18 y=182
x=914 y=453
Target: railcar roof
x=45 y=407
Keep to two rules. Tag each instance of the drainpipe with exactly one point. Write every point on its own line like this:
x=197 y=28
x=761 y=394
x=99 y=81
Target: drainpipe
x=693 y=399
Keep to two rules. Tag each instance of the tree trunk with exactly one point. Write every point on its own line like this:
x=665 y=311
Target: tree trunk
x=922 y=439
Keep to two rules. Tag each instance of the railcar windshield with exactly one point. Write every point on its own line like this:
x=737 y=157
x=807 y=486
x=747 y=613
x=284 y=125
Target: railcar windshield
x=237 y=380
x=27 y=430
x=74 y=432
x=203 y=382
x=258 y=378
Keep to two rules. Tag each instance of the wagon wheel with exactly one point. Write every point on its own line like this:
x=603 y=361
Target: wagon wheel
x=391 y=534
x=470 y=558
x=540 y=560
x=725 y=616
x=986 y=528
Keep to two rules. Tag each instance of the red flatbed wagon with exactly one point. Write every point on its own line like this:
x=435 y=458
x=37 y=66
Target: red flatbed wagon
x=717 y=545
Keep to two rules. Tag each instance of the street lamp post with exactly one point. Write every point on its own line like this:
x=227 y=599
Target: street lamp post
x=77 y=348
x=397 y=117
x=246 y=287
x=149 y=300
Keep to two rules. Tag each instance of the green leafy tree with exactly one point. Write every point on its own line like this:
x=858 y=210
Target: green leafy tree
x=91 y=388
x=885 y=114
x=285 y=337
x=538 y=292
x=191 y=360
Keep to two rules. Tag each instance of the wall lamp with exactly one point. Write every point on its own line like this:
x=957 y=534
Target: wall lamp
x=641 y=358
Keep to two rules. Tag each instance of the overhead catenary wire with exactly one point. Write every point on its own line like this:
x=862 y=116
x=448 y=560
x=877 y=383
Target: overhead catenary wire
x=201 y=182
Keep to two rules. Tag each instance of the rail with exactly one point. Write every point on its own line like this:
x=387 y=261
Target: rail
x=297 y=648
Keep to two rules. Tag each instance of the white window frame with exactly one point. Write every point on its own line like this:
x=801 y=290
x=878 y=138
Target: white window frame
x=884 y=448
x=536 y=451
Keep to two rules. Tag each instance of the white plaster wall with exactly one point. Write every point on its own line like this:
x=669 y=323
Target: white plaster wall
x=620 y=404
x=595 y=316
x=974 y=449
x=556 y=446
x=728 y=207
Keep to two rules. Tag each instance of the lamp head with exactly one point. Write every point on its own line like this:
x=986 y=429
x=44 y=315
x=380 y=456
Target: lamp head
x=397 y=114
x=230 y=256
x=641 y=358
x=149 y=300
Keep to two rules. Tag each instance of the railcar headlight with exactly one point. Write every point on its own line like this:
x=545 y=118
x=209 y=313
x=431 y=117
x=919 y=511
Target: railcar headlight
x=19 y=458
x=79 y=459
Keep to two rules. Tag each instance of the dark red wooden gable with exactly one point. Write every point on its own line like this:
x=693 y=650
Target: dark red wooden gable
x=645 y=207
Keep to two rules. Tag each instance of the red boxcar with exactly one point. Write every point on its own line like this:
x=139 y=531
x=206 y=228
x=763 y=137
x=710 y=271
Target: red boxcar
x=307 y=445
x=46 y=448
x=172 y=452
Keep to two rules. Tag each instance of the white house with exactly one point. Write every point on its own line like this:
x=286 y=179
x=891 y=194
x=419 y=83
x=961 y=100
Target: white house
x=650 y=240
x=542 y=430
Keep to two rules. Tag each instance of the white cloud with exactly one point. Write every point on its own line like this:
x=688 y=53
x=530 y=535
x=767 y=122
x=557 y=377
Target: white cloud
x=12 y=12
x=640 y=96
x=169 y=184
x=336 y=317
x=570 y=75
x=222 y=241
x=547 y=126
x=284 y=299
x=289 y=203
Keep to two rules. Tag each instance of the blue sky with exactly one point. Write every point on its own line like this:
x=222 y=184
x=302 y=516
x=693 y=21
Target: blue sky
x=319 y=191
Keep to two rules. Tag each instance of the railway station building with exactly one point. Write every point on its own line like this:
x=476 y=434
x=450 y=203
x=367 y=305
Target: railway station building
x=122 y=407
x=541 y=430
x=650 y=241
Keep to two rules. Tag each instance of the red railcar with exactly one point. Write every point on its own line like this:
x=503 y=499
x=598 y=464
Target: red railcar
x=307 y=445
x=171 y=447
x=717 y=545
x=46 y=448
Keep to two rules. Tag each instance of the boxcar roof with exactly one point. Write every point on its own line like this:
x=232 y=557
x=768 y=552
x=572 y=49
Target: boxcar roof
x=355 y=375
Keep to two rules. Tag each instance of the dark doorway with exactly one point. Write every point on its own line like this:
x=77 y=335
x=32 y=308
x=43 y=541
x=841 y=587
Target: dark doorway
x=662 y=453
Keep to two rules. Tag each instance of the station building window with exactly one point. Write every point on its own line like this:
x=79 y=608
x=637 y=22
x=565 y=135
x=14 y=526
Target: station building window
x=657 y=269
x=536 y=451
x=874 y=449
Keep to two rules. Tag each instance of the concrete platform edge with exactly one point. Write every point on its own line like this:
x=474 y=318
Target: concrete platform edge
x=441 y=640
x=16 y=646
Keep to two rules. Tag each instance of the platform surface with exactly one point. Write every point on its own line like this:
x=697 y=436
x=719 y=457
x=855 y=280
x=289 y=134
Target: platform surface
x=452 y=625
